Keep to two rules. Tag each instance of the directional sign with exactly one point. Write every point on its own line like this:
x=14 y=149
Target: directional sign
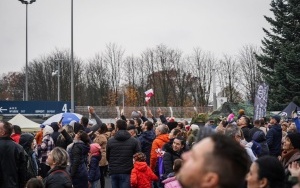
x=33 y=107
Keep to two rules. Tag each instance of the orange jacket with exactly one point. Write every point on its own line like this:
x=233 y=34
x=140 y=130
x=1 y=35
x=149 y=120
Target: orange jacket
x=157 y=143
x=142 y=176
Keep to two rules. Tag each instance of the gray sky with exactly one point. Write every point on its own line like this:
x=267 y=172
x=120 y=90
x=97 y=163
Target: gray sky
x=218 y=26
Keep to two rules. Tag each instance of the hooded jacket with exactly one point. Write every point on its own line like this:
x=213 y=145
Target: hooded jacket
x=274 y=136
x=171 y=182
x=260 y=137
x=158 y=143
x=12 y=164
x=142 y=176
x=26 y=140
x=119 y=152
x=146 y=138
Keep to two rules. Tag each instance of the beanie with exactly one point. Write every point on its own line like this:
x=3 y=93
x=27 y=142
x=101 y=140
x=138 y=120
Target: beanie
x=295 y=139
x=26 y=140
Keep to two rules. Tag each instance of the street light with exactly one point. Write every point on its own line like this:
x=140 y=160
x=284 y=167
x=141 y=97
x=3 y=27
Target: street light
x=26 y=2
x=57 y=73
x=72 y=61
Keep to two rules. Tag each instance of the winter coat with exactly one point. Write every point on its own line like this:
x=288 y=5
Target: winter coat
x=274 y=136
x=192 y=138
x=57 y=178
x=146 y=138
x=246 y=132
x=169 y=158
x=64 y=139
x=94 y=169
x=119 y=152
x=142 y=176
x=54 y=136
x=157 y=143
x=260 y=137
x=101 y=139
x=171 y=182
x=45 y=148
x=26 y=141
x=78 y=152
x=286 y=159
x=12 y=164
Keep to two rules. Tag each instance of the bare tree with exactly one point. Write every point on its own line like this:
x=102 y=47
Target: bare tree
x=251 y=75
x=227 y=71
x=113 y=57
x=202 y=64
x=97 y=81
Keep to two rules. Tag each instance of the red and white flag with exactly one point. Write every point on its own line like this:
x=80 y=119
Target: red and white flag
x=149 y=93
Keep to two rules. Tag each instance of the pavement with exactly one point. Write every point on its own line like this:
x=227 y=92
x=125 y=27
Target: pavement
x=107 y=182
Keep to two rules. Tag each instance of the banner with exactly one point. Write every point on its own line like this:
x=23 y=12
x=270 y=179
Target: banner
x=260 y=103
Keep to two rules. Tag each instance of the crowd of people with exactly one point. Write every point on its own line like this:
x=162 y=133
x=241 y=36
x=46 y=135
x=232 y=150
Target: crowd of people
x=139 y=152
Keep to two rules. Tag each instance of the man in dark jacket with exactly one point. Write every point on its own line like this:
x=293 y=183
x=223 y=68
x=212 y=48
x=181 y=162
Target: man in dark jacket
x=12 y=160
x=146 y=138
x=119 y=153
x=274 y=136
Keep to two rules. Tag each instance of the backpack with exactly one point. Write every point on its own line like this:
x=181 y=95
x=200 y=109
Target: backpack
x=256 y=148
x=30 y=170
x=160 y=163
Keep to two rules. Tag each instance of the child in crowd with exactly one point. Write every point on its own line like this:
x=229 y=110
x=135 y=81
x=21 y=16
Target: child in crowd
x=94 y=169
x=141 y=174
x=34 y=183
x=171 y=181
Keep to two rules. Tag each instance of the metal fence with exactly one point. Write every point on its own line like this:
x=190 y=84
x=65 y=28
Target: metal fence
x=114 y=111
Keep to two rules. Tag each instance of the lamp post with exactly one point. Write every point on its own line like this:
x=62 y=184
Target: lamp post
x=214 y=89
x=26 y=2
x=72 y=61
x=57 y=73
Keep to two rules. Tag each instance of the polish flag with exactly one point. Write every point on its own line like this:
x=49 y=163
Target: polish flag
x=149 y=93
x=147 y=99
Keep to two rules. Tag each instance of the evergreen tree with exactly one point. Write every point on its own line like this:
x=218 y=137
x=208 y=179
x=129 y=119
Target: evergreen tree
x=280 y=58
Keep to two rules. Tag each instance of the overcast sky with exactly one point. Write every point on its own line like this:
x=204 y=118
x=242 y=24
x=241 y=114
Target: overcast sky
x=218 y=26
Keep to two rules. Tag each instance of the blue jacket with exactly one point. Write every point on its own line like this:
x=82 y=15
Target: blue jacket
x=94 y=169
x=274 y=136
x=146 y=139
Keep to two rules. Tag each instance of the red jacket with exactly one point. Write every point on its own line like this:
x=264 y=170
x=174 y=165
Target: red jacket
x=142 y=176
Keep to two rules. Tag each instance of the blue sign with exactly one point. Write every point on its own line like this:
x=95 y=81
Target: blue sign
x=33 y=107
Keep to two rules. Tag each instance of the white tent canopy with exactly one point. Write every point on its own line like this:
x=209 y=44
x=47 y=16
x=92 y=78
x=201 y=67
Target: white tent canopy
x=26 y=124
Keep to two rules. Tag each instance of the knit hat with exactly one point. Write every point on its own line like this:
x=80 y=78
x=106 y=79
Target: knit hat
x=140 y=157
x=26 y=140
x=95 y=149
x=277 y=118
x=47 y=130
x=194 y=127
x=295 y=139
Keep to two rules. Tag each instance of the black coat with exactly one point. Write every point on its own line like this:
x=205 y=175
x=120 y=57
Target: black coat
x=12 y=164
x=78 y=159
x=57 y=178
x=169 y=158
x=119 y=152
x=274 y=136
